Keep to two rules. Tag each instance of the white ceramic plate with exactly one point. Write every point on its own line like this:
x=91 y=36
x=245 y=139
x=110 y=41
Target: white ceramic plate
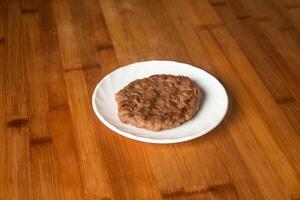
x=212 y=110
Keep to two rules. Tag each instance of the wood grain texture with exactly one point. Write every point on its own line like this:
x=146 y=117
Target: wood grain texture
x=54 y=52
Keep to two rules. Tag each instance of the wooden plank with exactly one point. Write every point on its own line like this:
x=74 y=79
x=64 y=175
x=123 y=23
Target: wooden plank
x=82 y=24
x=266 y=60
x=286 y=46
x=163 y=39
x=185 y=28
x=68 y=43
x=210 y=17
x=43 y=177
x=3 y=145
x=245 y=185
x=65 y=157
x=121 y=36
x=37 y=94
x=125 y=28
x=15 y=135
x=68 y=174
x=2 y=139
x=91 y=160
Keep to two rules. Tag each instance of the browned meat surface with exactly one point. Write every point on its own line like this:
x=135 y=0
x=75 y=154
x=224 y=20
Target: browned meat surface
x=158 y=102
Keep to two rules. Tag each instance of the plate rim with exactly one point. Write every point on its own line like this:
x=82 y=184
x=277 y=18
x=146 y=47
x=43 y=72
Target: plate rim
x=152 y=140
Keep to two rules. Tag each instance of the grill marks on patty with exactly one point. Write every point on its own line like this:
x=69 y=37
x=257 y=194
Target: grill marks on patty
x=158 y=102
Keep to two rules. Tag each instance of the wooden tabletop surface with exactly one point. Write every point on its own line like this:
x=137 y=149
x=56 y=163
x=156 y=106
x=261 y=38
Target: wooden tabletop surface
x=54 y=52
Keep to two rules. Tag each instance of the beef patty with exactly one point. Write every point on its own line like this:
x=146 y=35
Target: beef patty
x=158 y=102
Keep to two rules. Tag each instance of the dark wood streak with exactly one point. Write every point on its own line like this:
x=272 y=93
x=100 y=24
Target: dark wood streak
x=215 y=188
x=28 y=10
x=83 y=67
x=102 y=47
x=55 y=107
x=218 y=188
x=286 y=28
x=218 y=3
x=41 y=140
x=285 y=100
x=2 y=39
x=241 y=17
x=17 y=123
x=91 y=65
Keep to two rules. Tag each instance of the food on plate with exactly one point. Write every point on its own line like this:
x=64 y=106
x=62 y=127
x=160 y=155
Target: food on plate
x=158 y=102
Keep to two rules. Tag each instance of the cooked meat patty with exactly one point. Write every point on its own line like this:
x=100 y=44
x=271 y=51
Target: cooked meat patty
x=158 y=102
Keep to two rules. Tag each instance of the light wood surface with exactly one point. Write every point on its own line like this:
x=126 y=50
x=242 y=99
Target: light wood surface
x=54 y=52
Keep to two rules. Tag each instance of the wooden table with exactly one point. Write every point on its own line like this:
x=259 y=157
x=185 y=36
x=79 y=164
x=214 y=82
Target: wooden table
x=54 y=52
